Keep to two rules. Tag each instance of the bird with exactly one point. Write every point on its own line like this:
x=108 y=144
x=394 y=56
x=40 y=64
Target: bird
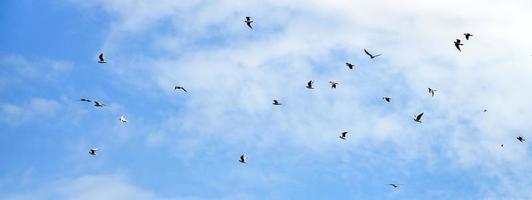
x=343 y=136
x=394 y=185
x=417 y=118
x=371 y=56
x=349 y=65
x=309 y=84
x=276 y=102
x=333 y=84
x=98 y=104
x=86 y=100
x=123 y=119
x=520 y=138
x=179 y=88
x=485 y=110
x=457 y=44
x=468 y=35
x=502 y=145
x=242 y=159
x=102 y=59
x=431 y=91
x=248 y=22
x=93 y=151
x=387 y=99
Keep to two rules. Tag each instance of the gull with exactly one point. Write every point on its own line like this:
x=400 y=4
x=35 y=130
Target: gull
x=417 y=118
x=86 y=100
x=467 y=35
x=248 y=22
x=309 y=84
x=387 y=99
x=93 y=151
x=98 y=104
x=276 y=102
x=102 y=59
x=179 y=88
x=242 y=159
x=349 y=65
x=394 y=185
x=344 y=135
x=371 y=56
x=431 y=91
x=521 y=139
x=123 y=119
x=333 y=84
x=457 y=44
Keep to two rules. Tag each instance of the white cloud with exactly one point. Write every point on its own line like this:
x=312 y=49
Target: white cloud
x=35 y=109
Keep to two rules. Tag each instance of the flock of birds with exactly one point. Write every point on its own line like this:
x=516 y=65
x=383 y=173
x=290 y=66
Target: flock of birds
x=310 y=85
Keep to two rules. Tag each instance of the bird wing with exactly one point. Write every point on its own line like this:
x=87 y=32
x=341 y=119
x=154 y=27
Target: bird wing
x=457 y=45
x=184 y=89
x=369 y=54
x=249 y=25
x=101 y=57
x=419 y=116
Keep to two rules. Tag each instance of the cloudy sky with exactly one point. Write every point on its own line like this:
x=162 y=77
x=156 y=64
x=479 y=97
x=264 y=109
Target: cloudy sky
x=179 y=146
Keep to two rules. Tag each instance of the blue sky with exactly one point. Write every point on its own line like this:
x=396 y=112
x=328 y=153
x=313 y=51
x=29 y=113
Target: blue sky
x=186 y=146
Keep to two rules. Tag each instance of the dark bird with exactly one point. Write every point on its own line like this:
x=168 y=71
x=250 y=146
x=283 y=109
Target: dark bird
x=371 y=56
x=333 y=84
x=98 y=104
x=467 y=35
x=394 y=185
x=179 y=88
x=457 y=44
x=248 y=22
x=102 y=58
x=276 y=102
x=502 y=145
x=93 y=151
x=242 y=159
x=387 y=99
x=485 y=110
x=431 y=91
x=309 y=84
x=86 y=100
x=521 y=139
x=417 y=118
x=349 y=65
x=343 y=136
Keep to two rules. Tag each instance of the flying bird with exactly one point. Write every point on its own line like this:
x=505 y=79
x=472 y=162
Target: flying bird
x=349 y=65
x=387 y=99
x=98 y=104
x=502 y=145
x=417 y=118
x=457 y=44
x=93 y=151
x=179 y=88
x=309 y=84
x=102 y=59
x=333 y=84
x=431 y=91
x=371 y=56
x=248 y=22
x=394 y=185
x=485 y=110
x=86 y=100
x=242 y=159
x=276 y=102
x=521 y=139
x=467 y=35
x=343 y=136
x=123 y=119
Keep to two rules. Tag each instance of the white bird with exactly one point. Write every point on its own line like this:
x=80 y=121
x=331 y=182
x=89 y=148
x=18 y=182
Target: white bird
x=93 y=151
x=248 y=22
x=123 y=119
x=417 y=118
x=333 y=84
x=431 y=91
x=102 y=59
x=242 y=159
x=343 y=136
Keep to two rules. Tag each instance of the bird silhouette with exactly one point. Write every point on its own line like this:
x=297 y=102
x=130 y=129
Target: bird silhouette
x=98 y=104
x=521 y=139
x=333 y=84
x=349 y=65
x=180 y=88
x=276 y=102
x=123 y=119
x=343 y=135
x=417 y=118
x=394 y=185
x=93 y=151
x=457 y=44
x=86 y=100
x=242 y=159
x=371 y=56
x=387 y=99
x=248 y=22
x=101 y=59
x=432 y=91
x=468 y=35
x=309 y=84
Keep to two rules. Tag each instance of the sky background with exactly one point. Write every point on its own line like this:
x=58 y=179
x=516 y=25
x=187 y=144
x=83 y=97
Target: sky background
x=185 y=146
